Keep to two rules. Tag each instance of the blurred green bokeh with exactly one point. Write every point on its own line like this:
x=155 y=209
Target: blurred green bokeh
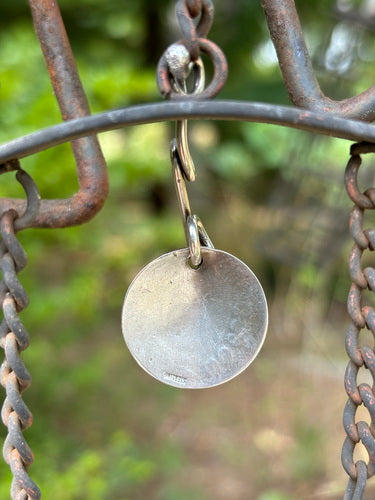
x=273 y=197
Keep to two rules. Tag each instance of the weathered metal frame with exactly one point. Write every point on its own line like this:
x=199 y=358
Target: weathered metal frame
x=317 y=113
x=297 y=70
x=312 y=121
x=91 y=166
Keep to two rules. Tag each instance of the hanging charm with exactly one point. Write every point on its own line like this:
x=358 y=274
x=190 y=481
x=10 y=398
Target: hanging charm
x=196 y=317
x=195 y=328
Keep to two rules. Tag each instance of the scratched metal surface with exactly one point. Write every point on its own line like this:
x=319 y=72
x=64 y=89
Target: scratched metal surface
x=195 y=328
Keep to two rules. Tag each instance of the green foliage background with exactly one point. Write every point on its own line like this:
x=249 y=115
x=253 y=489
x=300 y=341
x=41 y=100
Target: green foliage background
x=271 y=196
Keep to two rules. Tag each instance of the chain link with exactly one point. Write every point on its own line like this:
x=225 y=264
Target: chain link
x=195 y=232
x=186 y=12
x=179 y=58
x=362 y=316
x=14 y=338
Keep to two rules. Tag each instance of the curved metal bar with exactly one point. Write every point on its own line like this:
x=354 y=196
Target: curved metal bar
x=320 y=123
x=296 y=67
x=91 y=167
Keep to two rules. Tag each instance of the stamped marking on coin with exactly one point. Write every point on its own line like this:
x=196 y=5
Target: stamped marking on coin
x=175 y=378
x=195 y=328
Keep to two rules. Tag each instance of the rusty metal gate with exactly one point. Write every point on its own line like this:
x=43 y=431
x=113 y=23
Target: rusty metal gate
x=314 y=112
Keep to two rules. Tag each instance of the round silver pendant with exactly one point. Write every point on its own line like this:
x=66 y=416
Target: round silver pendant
x=195 y=328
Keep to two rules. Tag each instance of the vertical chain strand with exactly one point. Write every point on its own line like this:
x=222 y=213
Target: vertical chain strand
x=14 y=338
x=362 y=316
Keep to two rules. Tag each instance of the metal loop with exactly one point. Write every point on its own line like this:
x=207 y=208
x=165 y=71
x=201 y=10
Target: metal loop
x=194 y=6
x=16 y=440
x=197 y=237
x=349 y=421
x=368 y=357
x=350 y=382
x=33 y=200
x=220 y=73
x=14 y=376
x=370 y=235
x=16 y=402
x=369 y=273
x=14 y=323
x=203 y=236
x=351 y=344
x=199 y=78
x=351 y=184
x=355 y=269
x=193 y=240
x=363 y=147
x=12 y=282
x=369 y=443
x=9 y=166
x=185 y=11
x=356 y=488
x=367 y=396
x=179 y=61
x=14 y=361
x=21 y=477
x=369 y=315
x=354 y=306
x=347 y=458
x=362 y=472
x=9 y=242
x=18 y=222
x=356 y=228
x=196 y=230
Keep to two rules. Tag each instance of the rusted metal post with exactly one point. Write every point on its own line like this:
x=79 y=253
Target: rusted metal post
x=296 y=67
x=91 y=167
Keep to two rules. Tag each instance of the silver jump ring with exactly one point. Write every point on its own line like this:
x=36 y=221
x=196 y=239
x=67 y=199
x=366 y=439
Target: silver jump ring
x=203 y=236
x=193 y=241
x=179 y=85
x=182 y=144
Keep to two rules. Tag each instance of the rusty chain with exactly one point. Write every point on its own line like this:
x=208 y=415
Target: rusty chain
x=362 y=316
x=186 y=12
x=14 y=338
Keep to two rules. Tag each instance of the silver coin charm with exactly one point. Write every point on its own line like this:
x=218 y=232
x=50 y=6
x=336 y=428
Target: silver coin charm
x=195 y=328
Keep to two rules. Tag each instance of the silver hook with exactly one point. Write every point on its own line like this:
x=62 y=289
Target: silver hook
x=195 y=233
x=176 y=58
x=194 y=243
